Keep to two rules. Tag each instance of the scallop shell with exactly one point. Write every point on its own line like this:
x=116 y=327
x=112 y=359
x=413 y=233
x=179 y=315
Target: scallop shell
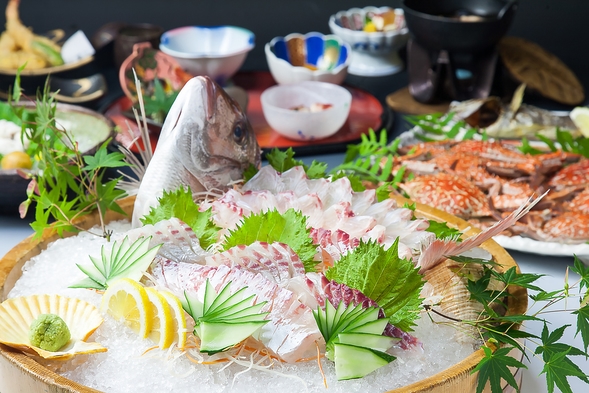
x=448 y=280
x=82 y=318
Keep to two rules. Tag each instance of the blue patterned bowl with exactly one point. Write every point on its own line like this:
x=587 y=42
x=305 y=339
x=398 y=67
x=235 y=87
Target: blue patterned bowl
x=373 y=53
x=309 y=57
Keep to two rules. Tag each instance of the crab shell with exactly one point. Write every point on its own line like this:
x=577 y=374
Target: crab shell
x=82 y=318
x=450 y=193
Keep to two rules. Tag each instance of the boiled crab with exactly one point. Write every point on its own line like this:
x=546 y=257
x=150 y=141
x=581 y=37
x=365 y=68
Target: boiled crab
x=481 y=181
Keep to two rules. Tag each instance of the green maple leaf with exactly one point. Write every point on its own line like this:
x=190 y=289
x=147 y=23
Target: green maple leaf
x=558 y=365
x=271 y=226
x=443 y=231
x=392 y=282
x=180 y=204
x=494 y=367
x=557 y=368
x=103 y=159
x=512 y=277
x=478 y=289
x=583 y=325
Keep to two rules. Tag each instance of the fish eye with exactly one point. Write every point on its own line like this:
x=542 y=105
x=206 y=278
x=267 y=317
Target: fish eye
x=239 y=133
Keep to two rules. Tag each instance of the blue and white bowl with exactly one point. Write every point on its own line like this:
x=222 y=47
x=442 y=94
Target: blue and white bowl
x=373 y=53
x=309 y=57
x=217 y=52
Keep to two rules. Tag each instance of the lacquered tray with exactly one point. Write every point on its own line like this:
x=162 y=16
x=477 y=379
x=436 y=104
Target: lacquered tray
x=366 y=112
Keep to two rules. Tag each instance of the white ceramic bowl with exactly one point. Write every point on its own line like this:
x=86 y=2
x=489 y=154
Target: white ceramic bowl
x=278 y=101
x=217 y=52
x=373 y=53
x=309 y=57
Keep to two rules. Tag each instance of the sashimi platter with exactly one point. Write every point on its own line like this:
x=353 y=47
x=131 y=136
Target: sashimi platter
x=216 y=273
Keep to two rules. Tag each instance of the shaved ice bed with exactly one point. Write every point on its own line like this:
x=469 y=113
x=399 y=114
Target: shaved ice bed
x=127 y=367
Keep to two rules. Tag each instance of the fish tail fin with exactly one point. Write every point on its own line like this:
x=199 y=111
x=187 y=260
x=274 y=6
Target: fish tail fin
x=437 y=250
x=517 y=99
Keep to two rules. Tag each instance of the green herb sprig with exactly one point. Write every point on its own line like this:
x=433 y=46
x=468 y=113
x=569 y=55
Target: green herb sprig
x=502 y=334
x=68 y=184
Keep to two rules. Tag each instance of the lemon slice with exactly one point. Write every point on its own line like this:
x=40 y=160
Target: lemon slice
x=179 y=318
x=127 y=300
x=580 y=116
x=162 y=330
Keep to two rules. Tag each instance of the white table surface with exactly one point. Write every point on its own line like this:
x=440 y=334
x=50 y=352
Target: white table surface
x=13 y=230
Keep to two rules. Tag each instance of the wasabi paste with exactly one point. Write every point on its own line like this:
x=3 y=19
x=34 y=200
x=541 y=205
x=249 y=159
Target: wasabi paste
x=49 y=332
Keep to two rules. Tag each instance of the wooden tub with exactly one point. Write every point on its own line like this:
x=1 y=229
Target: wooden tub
x=20 y=373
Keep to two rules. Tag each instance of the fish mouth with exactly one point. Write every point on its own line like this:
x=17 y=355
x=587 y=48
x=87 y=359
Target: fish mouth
x=210 y=91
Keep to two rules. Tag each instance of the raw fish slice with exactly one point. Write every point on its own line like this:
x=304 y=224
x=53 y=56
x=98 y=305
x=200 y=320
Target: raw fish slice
x=291 y=333
x=276 y=261
x=82 y=319
x=361 y=201
x=335 y=243
x=179 y=240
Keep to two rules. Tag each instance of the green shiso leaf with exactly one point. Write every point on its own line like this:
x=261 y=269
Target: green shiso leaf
x=282 y=161
x=180 y=204
x=355 y=181
x=224 y=319
x=122 y=260
x=393 y=283
x=271 y=226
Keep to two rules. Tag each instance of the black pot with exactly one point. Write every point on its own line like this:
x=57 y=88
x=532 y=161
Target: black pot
x=437 y=25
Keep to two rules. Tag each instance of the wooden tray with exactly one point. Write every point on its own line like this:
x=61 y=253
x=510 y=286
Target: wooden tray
x=18 y=370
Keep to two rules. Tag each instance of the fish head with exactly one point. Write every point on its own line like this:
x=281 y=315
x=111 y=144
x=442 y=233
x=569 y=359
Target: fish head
x=210 y=134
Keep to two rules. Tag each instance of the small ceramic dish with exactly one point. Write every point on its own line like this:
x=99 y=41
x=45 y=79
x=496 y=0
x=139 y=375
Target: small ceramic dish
x=310 y=57
x=217 y=52
x=150 y=64
x=374 y=48
x=306 y=111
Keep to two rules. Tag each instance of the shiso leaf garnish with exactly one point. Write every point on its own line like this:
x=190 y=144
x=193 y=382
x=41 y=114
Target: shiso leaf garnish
x=289 y=227
x=223 y=319
x=392 y=282
x=354 y=339
x=180 y=204
x=122 y=260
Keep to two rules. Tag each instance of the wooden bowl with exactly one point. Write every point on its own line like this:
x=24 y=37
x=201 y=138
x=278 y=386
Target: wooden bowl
x=18 y=370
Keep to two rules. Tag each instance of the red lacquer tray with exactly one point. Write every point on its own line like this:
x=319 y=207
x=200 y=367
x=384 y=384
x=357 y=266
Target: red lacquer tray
x=366 y=112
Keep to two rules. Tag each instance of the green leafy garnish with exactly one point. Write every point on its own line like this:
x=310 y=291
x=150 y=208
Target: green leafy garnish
x=223 y=320
x=180 y=204
x=393 y=283
x=354 y=340
x=271 y=226
x=494 y=367
x=282 y=161
x=443 y=231
x=122 y=260
x=158 y=105
x=67 y=184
